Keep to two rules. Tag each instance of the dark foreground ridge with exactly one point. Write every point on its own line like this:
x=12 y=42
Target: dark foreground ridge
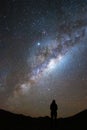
x=11 y=121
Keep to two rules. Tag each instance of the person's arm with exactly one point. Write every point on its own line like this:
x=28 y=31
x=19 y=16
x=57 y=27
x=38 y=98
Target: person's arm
x=50 y=107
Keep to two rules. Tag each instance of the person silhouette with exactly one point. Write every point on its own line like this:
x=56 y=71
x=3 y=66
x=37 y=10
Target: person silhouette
x=53 y=108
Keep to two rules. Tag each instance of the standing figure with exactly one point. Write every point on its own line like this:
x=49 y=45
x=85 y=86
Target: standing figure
x=53 y=108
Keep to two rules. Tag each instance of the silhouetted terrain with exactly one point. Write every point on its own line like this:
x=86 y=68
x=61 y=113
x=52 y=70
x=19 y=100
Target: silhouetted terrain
x=10 y=121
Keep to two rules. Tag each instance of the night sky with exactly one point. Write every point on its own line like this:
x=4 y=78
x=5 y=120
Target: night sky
x=43 y=56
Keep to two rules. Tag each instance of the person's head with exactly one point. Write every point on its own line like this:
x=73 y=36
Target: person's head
x=53 y=101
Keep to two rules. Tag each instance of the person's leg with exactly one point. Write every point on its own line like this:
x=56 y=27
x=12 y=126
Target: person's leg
x=55 y=115
x=52 y=116
x=55 y=119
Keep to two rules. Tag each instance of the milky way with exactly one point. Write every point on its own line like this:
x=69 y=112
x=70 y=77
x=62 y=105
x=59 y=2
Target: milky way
x=56 y=49
x=43 y=55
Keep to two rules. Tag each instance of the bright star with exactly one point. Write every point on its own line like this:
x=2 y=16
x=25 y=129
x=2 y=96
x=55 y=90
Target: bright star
x=38 y=43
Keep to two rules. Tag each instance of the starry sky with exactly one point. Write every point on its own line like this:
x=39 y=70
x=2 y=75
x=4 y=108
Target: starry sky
x=43 y=56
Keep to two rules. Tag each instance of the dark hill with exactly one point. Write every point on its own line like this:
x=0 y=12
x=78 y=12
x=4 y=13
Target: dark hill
x=11 y=121
x=78 y=121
